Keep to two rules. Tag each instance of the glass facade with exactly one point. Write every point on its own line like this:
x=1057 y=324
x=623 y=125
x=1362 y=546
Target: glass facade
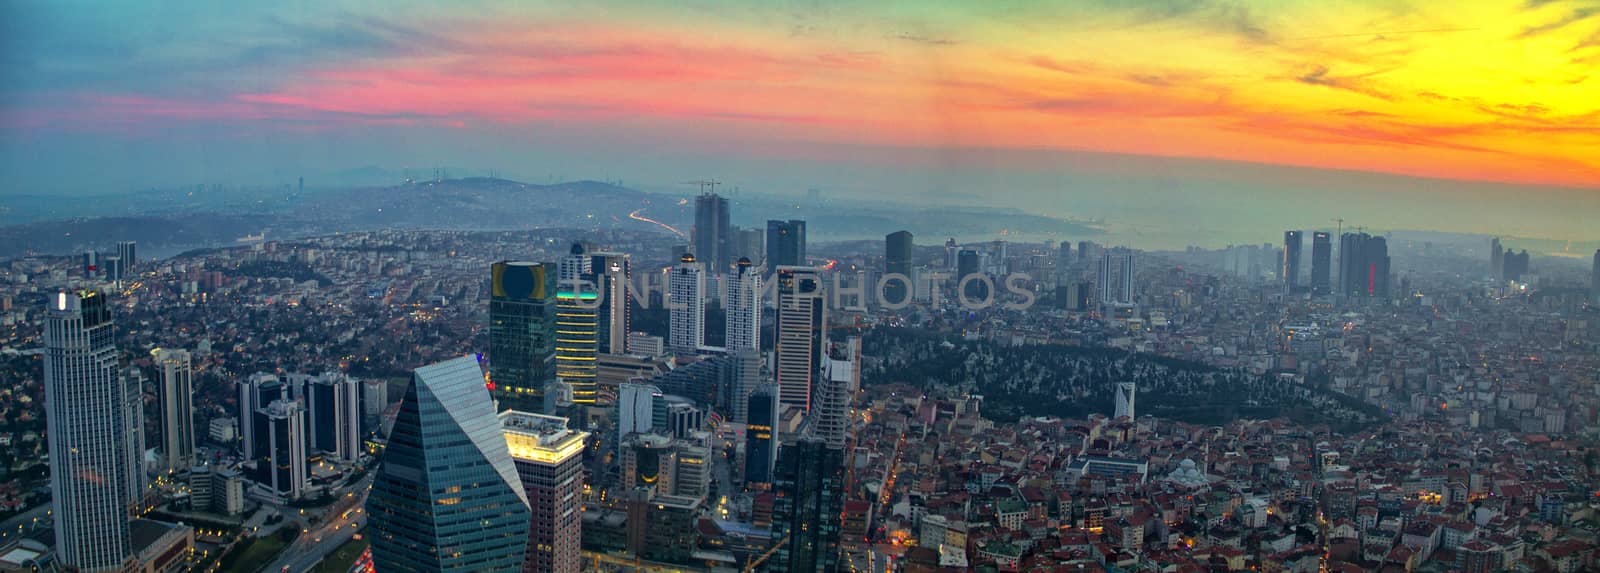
x=521 y=333
x=808 y=501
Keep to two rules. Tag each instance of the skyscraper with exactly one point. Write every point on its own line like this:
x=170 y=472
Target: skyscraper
x=636 y=407
x=1114 y=279
x=711 y=232
x=1377 y=259
x=577 y=326
x=333 y=415
x=1290 y=273
x=744 y=307
x=968 y=264
x=1126 y=392
x=760 y=444
x=521 y=332
x=808 y=502
x=549 y=461
x=1497 y=258
x=841 y=376
x=1063 y=260
x=86 y=411
x=686 y=288
x=1594 y=278
x=1321 y=263
x=1363 y=265
x=255 y=393
x=786 y=243
x=748 y=243
x=897 y=253
x=286 y=446
x=448 y=497
x=800 y=334
x=175 y=397
x=127 y=251
x=611 y=275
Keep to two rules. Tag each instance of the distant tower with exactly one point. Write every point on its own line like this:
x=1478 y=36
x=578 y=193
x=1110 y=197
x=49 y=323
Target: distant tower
x=841 y=376
x=968 y=263
x=1497 y=259
x=1321 y=262
x=612 y=273
x=786 y=243
x=1125 y=396
x=800 y=335
x=711 y=232
x=760 y=438
x=744 y=307
x=577 y=326
x=521 y=332
x=1290 y=273
x=897 y=253
x=1114 y=280
x=86 y=415
x=175 y=397
x=448 y=480
x=549 y=461
x=686 y=288
x=128 y=251
x=1594 y=279
x=286 y=445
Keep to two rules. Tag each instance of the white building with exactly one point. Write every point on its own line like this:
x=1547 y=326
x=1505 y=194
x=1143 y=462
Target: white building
x=744 y=307
x=801 y=334
x=1126 y=392
x=686 y=287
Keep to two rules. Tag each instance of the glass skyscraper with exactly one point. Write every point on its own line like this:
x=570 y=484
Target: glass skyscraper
x=447 y=497
x=808 y=488
x=577 y=326
x=86 y=417
x=521 y=333
x=786 y=243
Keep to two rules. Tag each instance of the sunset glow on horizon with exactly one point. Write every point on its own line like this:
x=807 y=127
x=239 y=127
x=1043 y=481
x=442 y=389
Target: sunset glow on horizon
x=1480 y=91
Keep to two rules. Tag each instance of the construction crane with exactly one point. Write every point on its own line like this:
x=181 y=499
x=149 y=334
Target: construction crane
x=1340 y=221
x=751 y=564
x=706 y=185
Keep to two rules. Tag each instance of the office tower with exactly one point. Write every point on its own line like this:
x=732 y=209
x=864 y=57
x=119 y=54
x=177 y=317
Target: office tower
x=127 y=252
x=1290 y=273
x=286 y=447
x=85 y=404
x=577 y=326
x=255 y=393
x=711 y=232
x=1516 y=265
x=786 y=243
x=636 y=406
x=133 y=435
x=744 y=307
x=647 y=462
x=447 y=497
x=952 y=252
x=1114 y=280
x=91 y=264
x=683 y=417
x=1088 y=251
x=374 y=400
x=1125 y=395
x=967 y=264
x=841 y=376
x=113 y=267
x=521 y=332
x=692 y=475
x=897 y=255
x=1497 y=258
x=549 y=461
x=1594 y=278
x=808 y=502
x=686 y=288
x=800 y=334
x=1377 y=258
x=760 y=447
x=1321 y=263
x=642 y=344
x=1352 y=263
x=333 y=415
x=1063 y=257
x=743 y=373
x=748 y=243
x=176 y=400
x=611 y=275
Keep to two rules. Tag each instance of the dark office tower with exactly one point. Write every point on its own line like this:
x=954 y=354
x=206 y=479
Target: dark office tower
x=1516 y=265
x=447 y=497
x=897 y=259
x=1377 y=260
x=1290 y=273
x=521 y=333
x=967 y=264
x=91 y=264
x=549 y=459
x=1088 y=251
x=175 y=398
x=748 y=243
x=1352 y=264
x=85 y=415
x=786 y=243
x=1497 y=258
x=1064 y=256
x=1594 y=278
x=610 y=275
x=711 y=232
x=800 y=334
x=760 y=445
x=808 y=484
x=113 y=267
x=286 y=473
x=128 y=251
x=1321 y=262
x=577 y=326
x=255 y=393
x=333 y=415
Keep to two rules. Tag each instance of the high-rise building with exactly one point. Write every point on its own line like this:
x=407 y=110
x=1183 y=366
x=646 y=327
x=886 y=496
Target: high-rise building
x=897 y=256
x=711 y=232
x=743 y=375
x=647 y=462
x=970 y=263
x=286 y=446
x=636 y=406
x=521 y=333
x=333 y=415
x=549 y=461
x=91 y=264
x=686 y=288
x=800 y=334
x=1497 y=259
x=786 y=243
x=1515 y=265
x=1321 y=263
x=807 y=507
x=1377 y=267
x=577 y=326
x=1063 y=260
x=1594 y=278
x=86 y=411
x=175 y=397
x=692 y=475
x=127 y=251
x=113 y=267
x=448 y=497
x=743 y=305
x=1290 y=273
x=748 y=243
x=841 y=376
x=1114 y=279
x=611 y=275
x=1126 y=392
x=255 y=393
x=1363 y=265
x=760 y=443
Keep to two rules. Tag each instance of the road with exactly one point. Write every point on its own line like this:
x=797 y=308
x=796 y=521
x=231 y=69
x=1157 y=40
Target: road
x=315 y=543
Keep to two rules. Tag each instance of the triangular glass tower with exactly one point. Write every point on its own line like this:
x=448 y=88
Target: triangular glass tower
x=447 y=497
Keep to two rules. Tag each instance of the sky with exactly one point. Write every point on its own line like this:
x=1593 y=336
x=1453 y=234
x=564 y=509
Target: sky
x=903 y=98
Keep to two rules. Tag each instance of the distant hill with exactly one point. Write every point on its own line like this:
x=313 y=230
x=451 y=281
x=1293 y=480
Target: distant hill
x=477 y=203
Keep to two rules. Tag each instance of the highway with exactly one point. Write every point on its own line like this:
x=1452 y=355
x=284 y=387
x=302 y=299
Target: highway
x=316 y=542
